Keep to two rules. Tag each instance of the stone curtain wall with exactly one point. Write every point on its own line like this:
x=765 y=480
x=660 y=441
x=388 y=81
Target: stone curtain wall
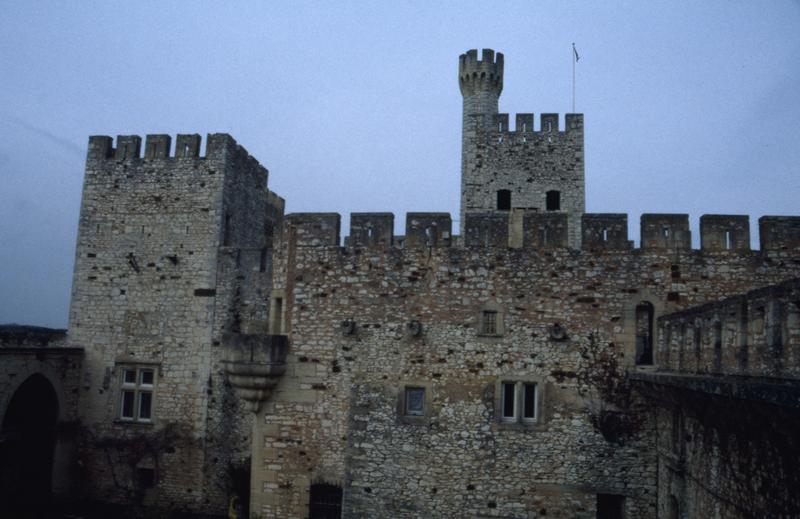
x=163 y=242
x=336 y=416
x=728 y=445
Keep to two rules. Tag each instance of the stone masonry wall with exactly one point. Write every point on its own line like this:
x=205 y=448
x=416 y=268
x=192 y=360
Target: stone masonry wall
x=727 y=458
x=565 y=323
x=528 y=163
x=727 y=411
x=149 y=293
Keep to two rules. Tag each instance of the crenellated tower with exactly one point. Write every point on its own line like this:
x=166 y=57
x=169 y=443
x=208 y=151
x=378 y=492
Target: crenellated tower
x=481 y=82
x=516 y=171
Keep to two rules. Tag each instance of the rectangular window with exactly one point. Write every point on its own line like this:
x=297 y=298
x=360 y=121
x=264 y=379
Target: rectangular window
x=415 y=401
x=529 y=402
x=136 y=403
x=509 y=401
x=489 y=324
x=518 y=402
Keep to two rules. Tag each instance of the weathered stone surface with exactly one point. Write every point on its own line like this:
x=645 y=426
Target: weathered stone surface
x=173 y=252
x=525 y=368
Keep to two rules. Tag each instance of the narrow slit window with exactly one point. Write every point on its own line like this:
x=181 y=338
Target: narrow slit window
x=489 y=324
x=509 y=401
x=605 y=234
x=728 y=240
x=529 y=402
x=226 y=238
x=277 y=316
x=644 y=333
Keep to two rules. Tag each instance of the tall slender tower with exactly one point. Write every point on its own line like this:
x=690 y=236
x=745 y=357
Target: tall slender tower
x=501 y=170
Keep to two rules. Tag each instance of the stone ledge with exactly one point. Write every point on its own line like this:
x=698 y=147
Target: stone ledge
x=782 y=392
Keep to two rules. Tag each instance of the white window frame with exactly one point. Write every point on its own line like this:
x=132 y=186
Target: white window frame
x=414 y=418
x=519 y=385
x=520 y=399
x=139 y=387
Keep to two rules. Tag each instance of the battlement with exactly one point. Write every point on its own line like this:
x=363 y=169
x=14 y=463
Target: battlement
x=535 y=230
x=779 y=232
x=482 y=75
x=752 y=334
x=548 y=124
x=159 y=146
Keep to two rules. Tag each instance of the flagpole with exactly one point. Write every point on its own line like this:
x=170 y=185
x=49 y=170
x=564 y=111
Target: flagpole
x=573 y=78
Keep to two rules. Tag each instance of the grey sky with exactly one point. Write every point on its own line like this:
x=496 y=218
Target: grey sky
x=690 y=106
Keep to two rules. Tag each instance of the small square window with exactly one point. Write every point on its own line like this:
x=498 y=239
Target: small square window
x=146 y=377
x=130 y=376
x=415 y=401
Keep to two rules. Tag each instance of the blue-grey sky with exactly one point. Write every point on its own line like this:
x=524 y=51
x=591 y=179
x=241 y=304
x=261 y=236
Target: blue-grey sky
x=690 y=106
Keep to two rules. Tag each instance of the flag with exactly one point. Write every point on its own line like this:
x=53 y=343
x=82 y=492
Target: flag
x=575 y=52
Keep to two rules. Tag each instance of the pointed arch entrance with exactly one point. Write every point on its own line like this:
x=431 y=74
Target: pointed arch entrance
x=27 y=441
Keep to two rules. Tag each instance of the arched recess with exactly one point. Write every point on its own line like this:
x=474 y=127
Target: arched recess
x=27 y=444
x=633 y=308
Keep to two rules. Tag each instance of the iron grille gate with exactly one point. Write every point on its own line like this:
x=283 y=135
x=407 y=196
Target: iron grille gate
x=325 y=502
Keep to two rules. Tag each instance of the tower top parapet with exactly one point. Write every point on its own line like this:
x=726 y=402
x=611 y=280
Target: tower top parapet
x=484 y=75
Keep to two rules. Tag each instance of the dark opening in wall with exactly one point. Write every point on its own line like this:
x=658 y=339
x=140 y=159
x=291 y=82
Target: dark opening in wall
x=504 y=200
x=29 y=433
x=673 y=509
x=226 y=237
x=325 y=502
x=553 y=200
x=644 y=333
x=610 y=506
x=145 y=478
x=717 y=346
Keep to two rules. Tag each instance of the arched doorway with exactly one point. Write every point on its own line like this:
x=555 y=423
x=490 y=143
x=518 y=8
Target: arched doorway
x=27 y=440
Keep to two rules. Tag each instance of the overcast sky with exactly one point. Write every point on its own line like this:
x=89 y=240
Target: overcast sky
x=690 y=107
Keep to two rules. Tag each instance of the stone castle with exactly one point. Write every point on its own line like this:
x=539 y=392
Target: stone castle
x=225 y=358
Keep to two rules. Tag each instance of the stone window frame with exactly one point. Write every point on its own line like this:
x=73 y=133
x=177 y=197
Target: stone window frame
x=414 y=419
x=137 y=387
x=499 y=320
x=277 y=313
x=519 y=422
x=628 y=334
